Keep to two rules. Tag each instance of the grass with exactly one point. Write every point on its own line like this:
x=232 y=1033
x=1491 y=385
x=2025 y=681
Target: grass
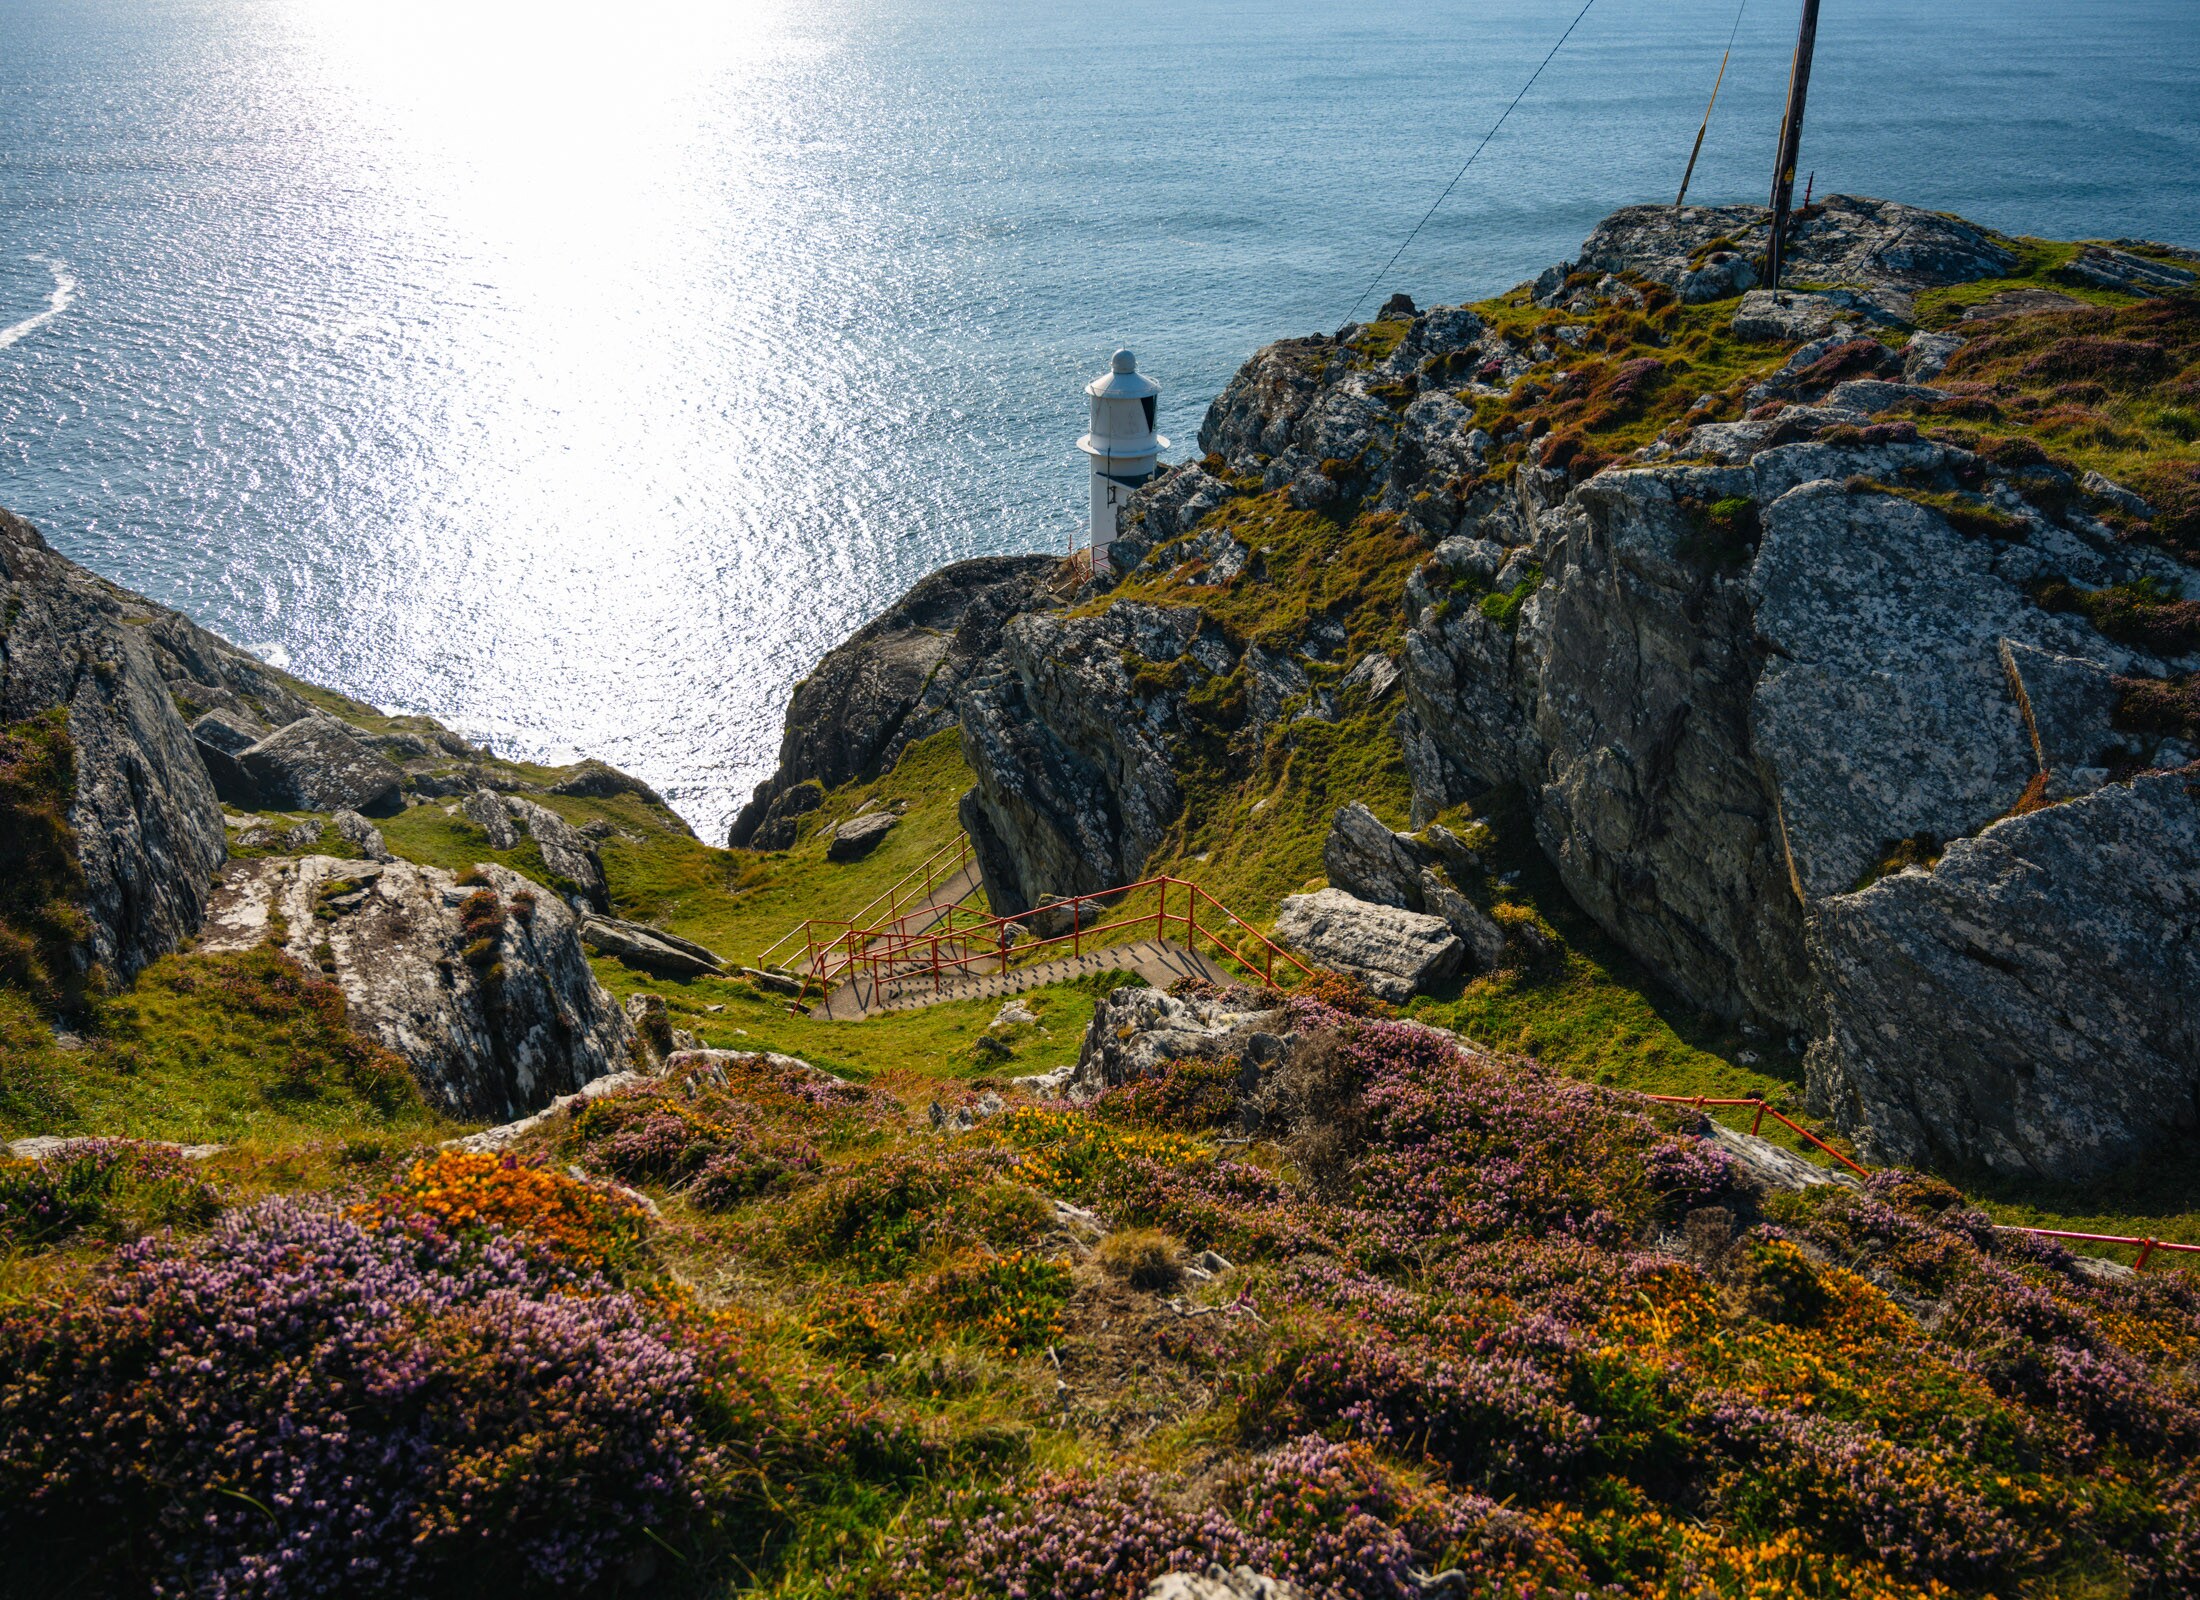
x=206 y=1049
x=931 y=1042
x=41 y=882
x=2039 y=266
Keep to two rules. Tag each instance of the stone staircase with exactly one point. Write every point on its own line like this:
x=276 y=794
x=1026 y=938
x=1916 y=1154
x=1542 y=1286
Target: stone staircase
x=1159 y=961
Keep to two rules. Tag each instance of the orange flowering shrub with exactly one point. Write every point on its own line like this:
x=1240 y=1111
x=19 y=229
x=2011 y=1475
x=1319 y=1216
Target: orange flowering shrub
x=466 y=1190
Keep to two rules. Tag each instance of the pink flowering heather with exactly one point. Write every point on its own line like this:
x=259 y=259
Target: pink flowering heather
x=302 y=1404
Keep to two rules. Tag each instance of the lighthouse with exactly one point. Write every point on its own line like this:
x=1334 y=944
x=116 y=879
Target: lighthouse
x=1122 y=447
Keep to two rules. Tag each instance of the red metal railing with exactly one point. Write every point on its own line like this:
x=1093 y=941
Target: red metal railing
x=2145 y=1247
x=892 y=953
x=914 y=888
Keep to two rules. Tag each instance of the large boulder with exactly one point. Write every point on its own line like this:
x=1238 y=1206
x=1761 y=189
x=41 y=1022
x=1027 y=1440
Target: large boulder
x=147 y=822
x=221 y=736
x=859 y=836
x=1397 y=954
x=482 y=987
x=1364 y=858
x=649 y=949
x=566 y=851
x=320 y=764
x=892 y=683
x=486 y=810
x=1367 y=860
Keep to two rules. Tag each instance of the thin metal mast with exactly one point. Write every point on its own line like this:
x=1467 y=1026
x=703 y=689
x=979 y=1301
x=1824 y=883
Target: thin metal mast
x=1791 y=140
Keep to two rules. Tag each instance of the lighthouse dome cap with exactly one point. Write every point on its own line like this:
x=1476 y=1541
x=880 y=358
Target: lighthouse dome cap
x=1122 y=380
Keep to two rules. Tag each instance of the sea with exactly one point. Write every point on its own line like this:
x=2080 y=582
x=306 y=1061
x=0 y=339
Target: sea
x=579 y=374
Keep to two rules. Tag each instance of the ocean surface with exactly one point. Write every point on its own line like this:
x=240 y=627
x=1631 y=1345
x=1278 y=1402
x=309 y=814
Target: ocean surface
x=579 y=374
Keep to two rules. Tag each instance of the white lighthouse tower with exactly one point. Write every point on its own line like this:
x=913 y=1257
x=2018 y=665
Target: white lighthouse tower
x=1122 y=446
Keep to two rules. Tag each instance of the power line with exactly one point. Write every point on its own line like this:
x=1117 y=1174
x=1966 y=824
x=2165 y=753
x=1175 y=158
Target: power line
x=1462 y=172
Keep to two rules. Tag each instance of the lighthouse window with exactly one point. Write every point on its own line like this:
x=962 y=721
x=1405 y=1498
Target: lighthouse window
x=1148 y=404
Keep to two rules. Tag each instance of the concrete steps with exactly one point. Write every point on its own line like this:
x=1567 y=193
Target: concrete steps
x=1159 y=961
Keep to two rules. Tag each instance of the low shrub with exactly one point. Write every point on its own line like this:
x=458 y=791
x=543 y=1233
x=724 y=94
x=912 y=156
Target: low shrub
x=111 y=1189
x=1201 y=1092
x=472 y=1193
x=880 y=1216
x=1012 y=1301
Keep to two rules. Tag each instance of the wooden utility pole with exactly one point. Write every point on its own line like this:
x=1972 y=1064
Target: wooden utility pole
x=1791 y=140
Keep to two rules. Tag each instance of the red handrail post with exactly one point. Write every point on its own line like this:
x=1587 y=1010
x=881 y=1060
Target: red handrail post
x=2145 y=1250
x=1757 y=1121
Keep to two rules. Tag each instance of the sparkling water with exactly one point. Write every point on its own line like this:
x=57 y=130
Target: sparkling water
x=579 y=374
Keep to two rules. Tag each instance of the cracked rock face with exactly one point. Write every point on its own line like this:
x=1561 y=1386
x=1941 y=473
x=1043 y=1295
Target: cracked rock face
x=496 y=1031
x=1071 y=751
x=890 y=684
x=2029 y=1003
x=148 y=824
x=1720 y=749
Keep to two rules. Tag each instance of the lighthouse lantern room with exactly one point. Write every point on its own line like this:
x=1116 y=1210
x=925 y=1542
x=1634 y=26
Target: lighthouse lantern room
x=1122 y=447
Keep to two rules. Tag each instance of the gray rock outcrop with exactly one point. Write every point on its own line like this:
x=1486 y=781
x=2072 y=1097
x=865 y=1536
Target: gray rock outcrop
x=221 y=736
x=486 y=810
x=317 y=763
x=484 y=989
x=1720 y=747
x=1366 y=859
x=1071 y=750
x=890 y=684
x=361 y=834
x=1882 y=246
x=566 y=851
x=148 y=824
x=1397 y=954
x=1136 y=1031
x=1370 y=862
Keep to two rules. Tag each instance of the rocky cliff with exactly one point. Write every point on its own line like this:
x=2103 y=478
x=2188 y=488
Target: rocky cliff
x=148 y=828
x=483 y=987
x=1843 y=687
x=889 y=685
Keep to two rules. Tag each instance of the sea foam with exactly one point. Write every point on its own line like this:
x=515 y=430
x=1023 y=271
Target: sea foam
x=62 y=297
